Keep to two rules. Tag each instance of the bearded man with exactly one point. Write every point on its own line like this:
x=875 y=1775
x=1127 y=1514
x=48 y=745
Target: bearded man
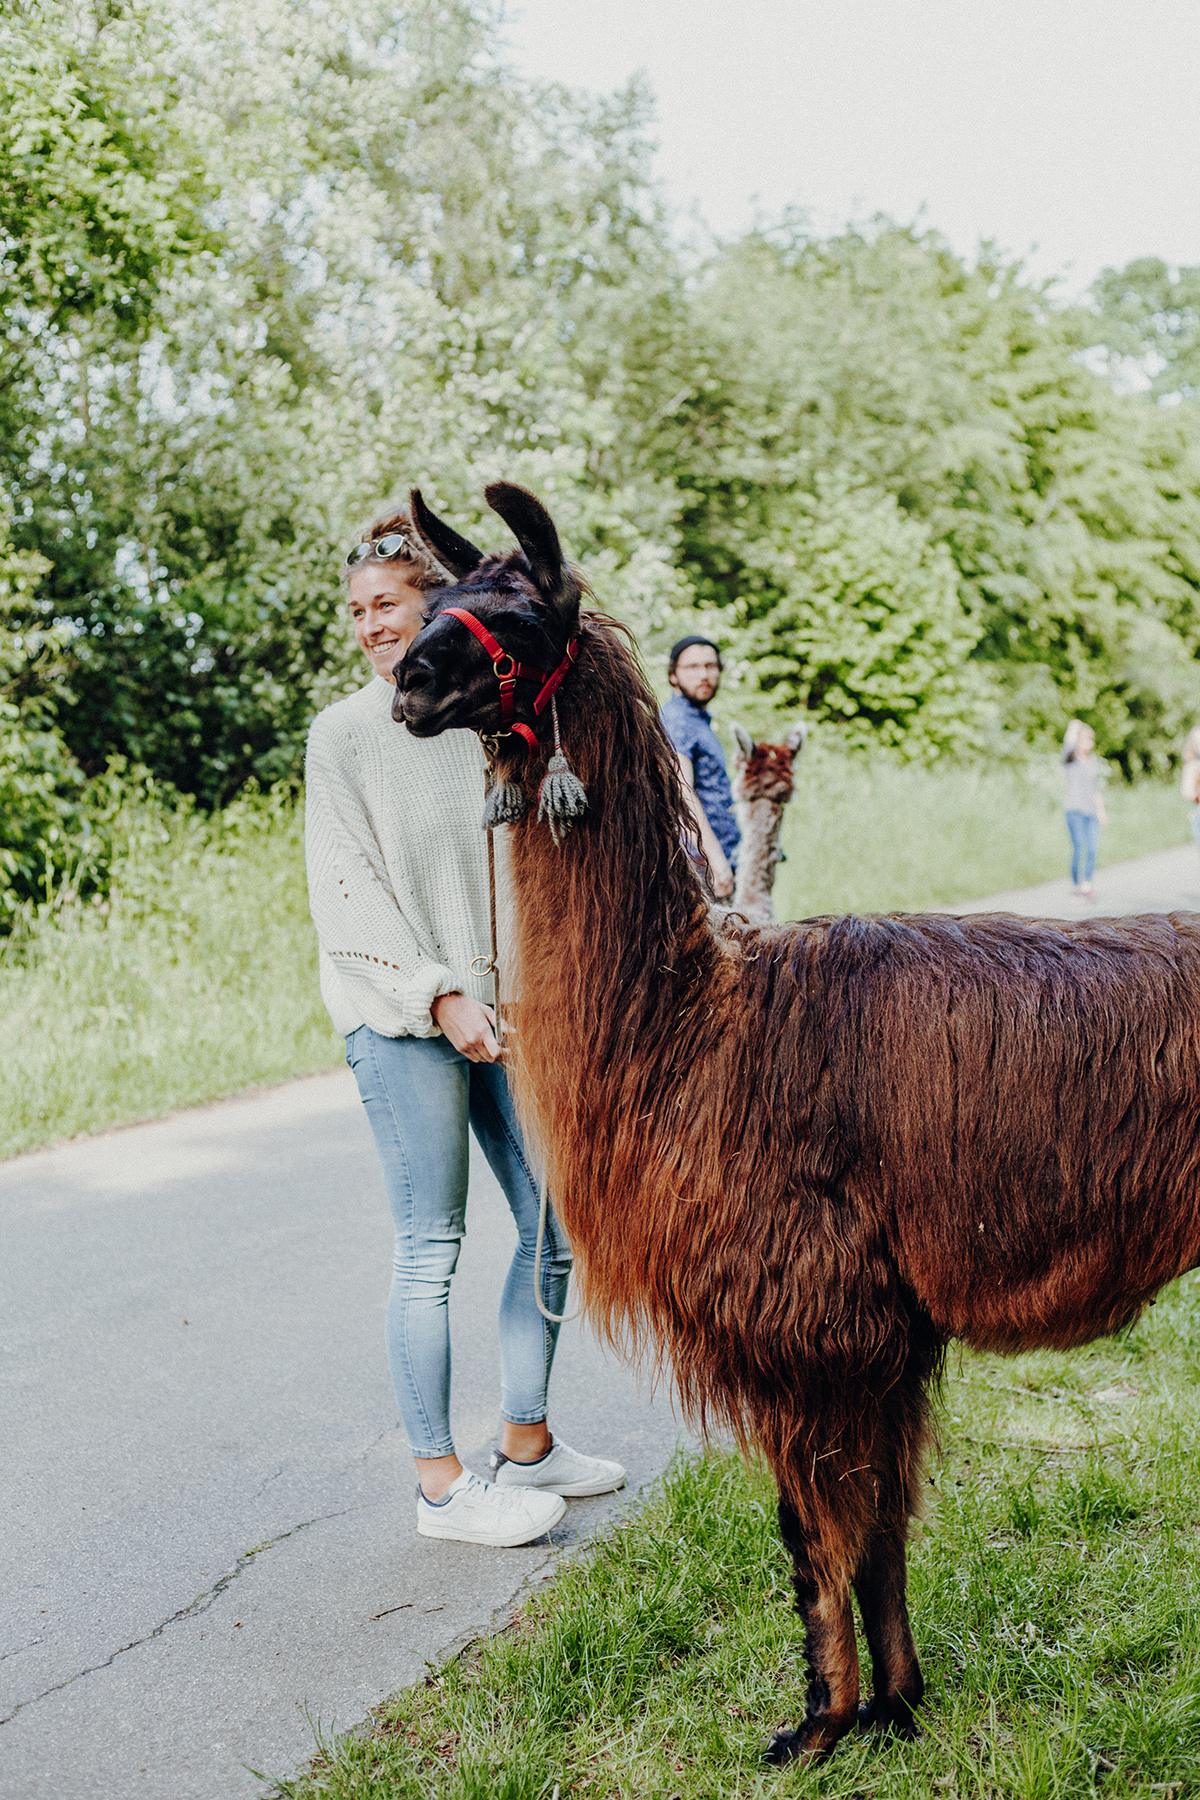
x=694 y=671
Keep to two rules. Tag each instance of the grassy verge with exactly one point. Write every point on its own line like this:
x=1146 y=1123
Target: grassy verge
x=198 y=978
x=876 y=837
x=1054 y=1589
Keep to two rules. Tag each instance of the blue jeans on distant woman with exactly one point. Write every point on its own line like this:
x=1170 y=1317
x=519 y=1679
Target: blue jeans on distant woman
x=420 y=1095
x=1085 y=841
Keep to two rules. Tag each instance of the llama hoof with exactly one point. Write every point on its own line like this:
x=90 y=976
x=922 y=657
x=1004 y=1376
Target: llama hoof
x=813 y=1742
x=783 y=1747
x=876 y=1718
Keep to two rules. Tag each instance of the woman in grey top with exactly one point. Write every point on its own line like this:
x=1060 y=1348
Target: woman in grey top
x=1086 y=817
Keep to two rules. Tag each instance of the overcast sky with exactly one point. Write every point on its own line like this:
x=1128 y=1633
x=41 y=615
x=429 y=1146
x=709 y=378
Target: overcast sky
x=1068 y=130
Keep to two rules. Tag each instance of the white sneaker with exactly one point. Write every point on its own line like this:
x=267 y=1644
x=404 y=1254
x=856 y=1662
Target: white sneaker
x=561 y=1471
x=478 y=1512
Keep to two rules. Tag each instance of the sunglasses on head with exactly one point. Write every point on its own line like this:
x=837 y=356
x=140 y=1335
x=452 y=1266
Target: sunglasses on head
x=379 y=549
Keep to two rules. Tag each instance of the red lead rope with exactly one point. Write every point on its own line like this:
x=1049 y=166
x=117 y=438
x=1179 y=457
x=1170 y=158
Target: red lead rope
x=516 y=671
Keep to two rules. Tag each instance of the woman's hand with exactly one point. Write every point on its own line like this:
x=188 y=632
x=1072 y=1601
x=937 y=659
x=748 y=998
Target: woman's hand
x=469 y=1026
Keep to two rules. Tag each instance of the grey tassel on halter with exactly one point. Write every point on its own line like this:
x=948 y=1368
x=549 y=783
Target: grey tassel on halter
x=562 y=797
x=504 y=803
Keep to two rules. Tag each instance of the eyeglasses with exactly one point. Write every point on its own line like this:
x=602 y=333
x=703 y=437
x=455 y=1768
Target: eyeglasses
x=379 y=549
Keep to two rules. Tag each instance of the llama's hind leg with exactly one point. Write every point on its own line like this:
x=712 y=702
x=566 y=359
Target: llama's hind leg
x=881 y=1575
x=880 y=1584
x=830 y=1652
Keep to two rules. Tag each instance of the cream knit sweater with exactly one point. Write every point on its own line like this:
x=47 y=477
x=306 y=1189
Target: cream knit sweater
x=397 y=865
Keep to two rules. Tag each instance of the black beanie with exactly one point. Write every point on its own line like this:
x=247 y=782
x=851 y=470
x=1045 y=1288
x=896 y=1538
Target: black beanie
x=686 y=643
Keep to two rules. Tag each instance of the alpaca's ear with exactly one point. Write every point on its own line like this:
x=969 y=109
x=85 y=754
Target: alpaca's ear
x=456 y=554
x=533 y=529
x=795 y=738
x=743 y=740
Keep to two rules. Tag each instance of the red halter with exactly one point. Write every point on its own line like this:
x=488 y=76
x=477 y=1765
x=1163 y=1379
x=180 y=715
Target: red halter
x=508 y=678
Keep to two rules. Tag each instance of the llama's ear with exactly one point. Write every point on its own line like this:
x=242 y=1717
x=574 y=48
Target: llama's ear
x=533 y=529
x=456 y=554
x=795 y=738
x=743 y=740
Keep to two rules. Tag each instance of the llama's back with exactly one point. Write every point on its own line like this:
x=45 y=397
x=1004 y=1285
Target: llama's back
x=1019 y=1103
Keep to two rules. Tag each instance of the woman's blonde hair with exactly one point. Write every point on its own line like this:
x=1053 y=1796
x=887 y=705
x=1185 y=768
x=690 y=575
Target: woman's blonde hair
x=419 y=568
x=1071 y=737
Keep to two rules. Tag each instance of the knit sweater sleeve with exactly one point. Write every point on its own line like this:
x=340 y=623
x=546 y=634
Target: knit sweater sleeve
x=382 y=973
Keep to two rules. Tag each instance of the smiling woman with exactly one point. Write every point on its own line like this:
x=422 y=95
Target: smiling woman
x=387 y=576
x=397 y=877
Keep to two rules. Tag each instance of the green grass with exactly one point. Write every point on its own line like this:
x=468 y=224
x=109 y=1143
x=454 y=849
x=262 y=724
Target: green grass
x=197 y=979
x=1054 y=1589
x=874 y=837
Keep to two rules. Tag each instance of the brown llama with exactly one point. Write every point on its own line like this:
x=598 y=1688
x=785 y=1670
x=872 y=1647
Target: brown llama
x=798 y=1161
x=763 y=781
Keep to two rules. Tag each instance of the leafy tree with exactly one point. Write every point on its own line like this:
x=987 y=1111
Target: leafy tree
x=97 y=198
x=1071 y=513
x=1149 y=321
x=868 y=632
x=41 y=785
x=415 y=271
x=262 y=268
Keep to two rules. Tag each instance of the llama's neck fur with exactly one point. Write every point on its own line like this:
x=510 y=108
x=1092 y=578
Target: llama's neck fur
x=762 y=787
x=758 y=858
x=613 y=924
x=625 y=993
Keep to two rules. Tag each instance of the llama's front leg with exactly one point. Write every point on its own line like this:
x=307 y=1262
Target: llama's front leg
x=881 y=1584
x=830 y=1652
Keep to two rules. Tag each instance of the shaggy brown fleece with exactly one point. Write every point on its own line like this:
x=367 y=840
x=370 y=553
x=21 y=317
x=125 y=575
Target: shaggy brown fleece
x=794 y=1162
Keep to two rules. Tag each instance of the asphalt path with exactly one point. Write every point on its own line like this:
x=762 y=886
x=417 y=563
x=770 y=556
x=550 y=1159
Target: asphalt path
x=208 y=1510
x=208 y=1540
x=1165 y=881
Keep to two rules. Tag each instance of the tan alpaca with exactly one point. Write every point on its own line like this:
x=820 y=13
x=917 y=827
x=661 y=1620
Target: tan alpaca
x=763 y=777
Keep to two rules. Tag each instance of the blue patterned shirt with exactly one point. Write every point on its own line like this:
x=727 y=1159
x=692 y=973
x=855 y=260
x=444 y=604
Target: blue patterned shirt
x=689 y=728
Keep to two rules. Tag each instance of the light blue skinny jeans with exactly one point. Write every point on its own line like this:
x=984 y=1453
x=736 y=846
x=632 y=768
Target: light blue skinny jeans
x=420 y=1095
x=1085 y=841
